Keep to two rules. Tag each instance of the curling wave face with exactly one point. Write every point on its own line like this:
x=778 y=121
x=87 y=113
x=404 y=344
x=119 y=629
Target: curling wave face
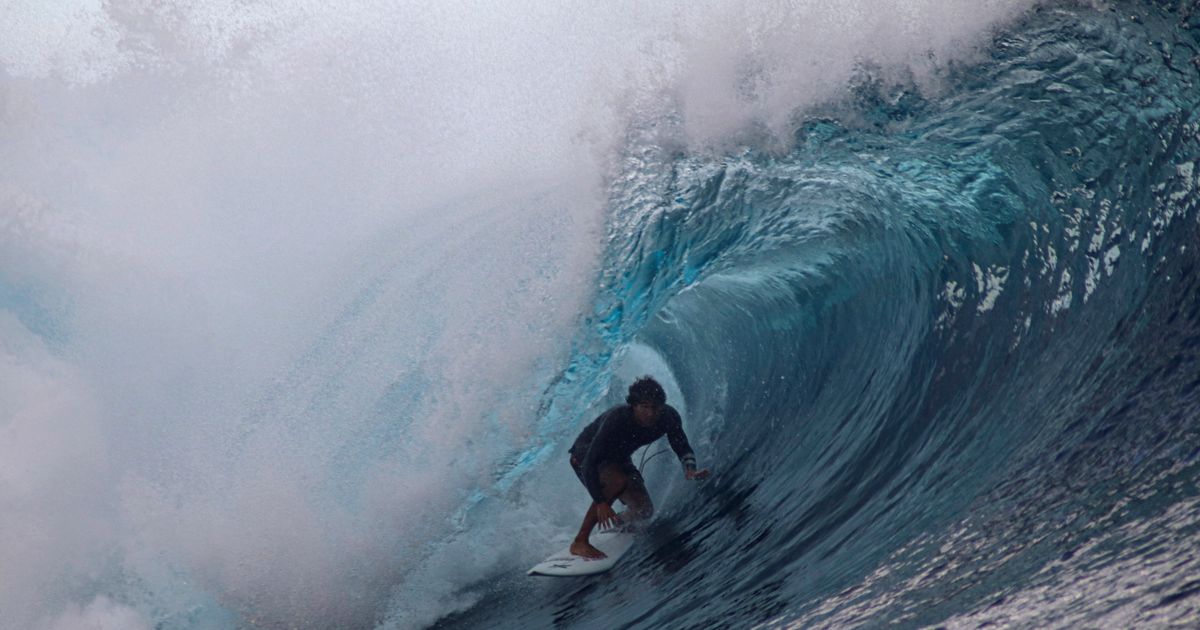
x=942 y=352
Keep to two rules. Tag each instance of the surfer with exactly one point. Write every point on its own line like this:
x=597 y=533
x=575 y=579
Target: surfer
x=601 y=455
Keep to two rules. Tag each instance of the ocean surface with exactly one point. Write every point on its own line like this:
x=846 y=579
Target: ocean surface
x=301 y=307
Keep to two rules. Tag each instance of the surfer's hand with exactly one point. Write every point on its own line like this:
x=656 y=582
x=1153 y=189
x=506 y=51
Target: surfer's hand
x=696 y=474
x=606 y=516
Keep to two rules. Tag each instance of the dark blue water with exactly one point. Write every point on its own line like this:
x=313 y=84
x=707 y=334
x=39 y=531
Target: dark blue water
x=941 y=353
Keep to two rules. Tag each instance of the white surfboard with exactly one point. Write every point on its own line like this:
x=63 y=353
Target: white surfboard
x=565 y=563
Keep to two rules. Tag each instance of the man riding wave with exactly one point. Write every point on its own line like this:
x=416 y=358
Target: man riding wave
x=601 y=456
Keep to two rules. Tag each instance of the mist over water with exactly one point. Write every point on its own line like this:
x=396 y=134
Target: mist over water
x=283 y=286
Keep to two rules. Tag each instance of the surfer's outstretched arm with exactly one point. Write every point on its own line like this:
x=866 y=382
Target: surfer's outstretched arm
x=696 y=474
x=683 y=450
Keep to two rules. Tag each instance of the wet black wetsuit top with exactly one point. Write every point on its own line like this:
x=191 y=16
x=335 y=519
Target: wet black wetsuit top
x=615 y=435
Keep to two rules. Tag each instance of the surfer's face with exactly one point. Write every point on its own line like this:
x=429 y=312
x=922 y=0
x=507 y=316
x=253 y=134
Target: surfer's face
x=645 y=412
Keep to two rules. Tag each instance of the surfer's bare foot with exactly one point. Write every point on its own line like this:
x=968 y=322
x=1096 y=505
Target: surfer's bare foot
x=585 y=549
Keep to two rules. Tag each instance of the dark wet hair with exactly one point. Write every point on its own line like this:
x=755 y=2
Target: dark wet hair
x=644 y=390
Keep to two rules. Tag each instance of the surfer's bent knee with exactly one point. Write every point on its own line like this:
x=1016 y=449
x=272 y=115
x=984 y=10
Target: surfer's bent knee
x=613 y=480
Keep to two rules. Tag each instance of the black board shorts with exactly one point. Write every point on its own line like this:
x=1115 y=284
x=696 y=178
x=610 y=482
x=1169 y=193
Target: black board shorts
x=635 y=481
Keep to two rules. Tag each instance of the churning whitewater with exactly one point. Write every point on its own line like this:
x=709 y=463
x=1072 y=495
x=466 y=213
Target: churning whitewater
x=302 y=306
